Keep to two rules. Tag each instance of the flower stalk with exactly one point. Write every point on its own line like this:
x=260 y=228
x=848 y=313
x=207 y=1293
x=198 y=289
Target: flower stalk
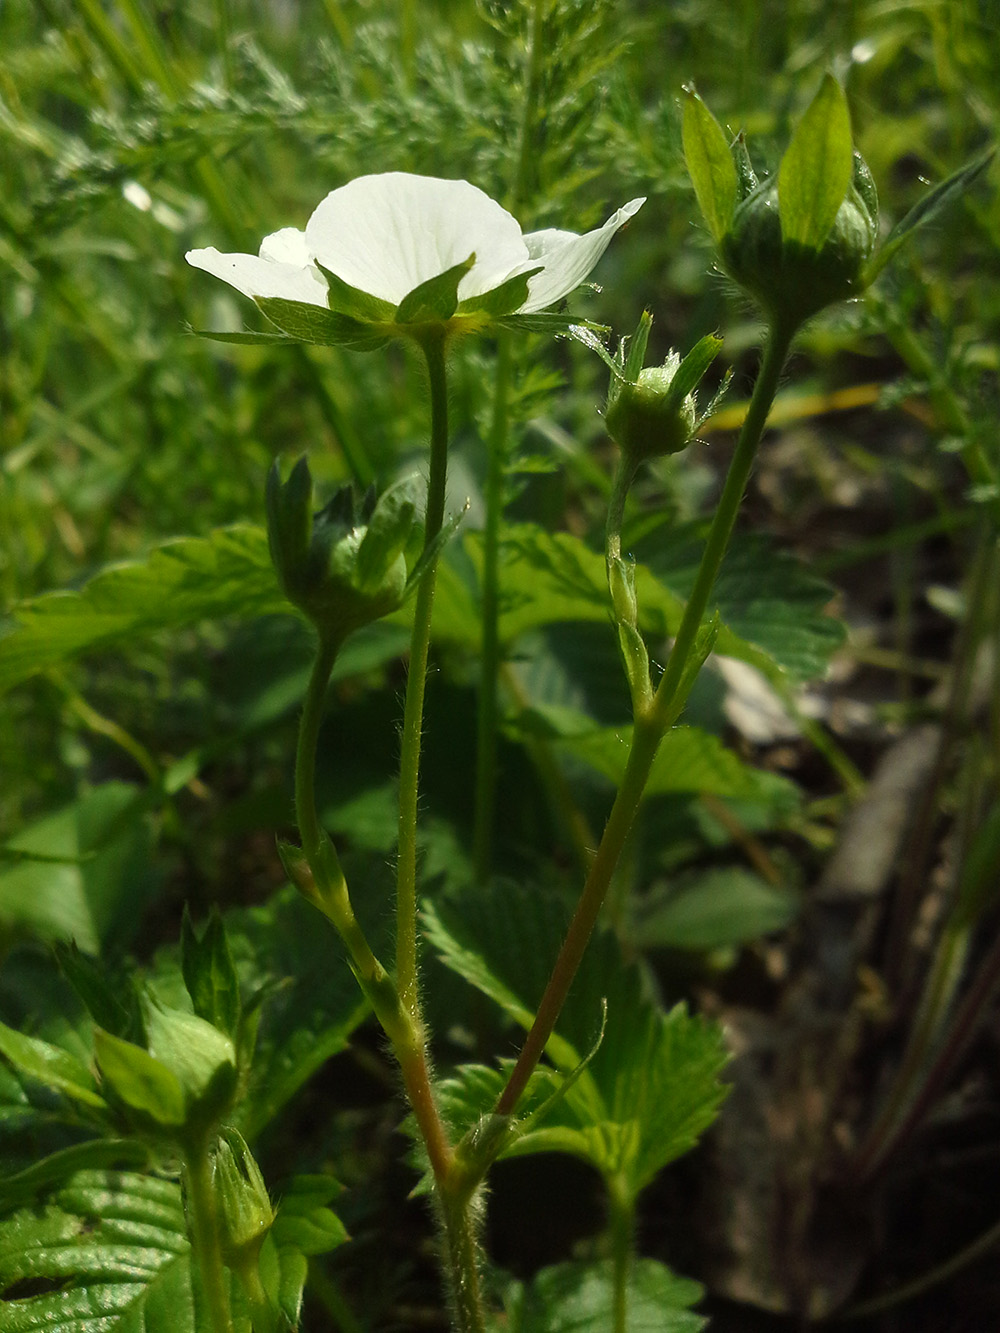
x=205 y=1236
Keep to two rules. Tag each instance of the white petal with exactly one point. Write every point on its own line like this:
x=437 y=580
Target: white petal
x=568 y=258
x=287 y=246
x=386 y=234
x=254 y=276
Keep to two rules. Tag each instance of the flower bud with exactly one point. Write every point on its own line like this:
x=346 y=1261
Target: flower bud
x=342 y=569
x=792 y=280
x=245 y=1208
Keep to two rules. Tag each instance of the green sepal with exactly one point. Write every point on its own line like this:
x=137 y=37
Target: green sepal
x=50 y=1065
x=709 y=163
x=243 y=339
x=210 y=974
x=502 y=300
x=343 y=299
x=816 y=169
x=746 y=177
x=386 y=536
x=139 y=1080
x=927 y=208
x=306 y=323
x=691 y=370
x=436 y=300
x=542 y=321
x=633 y=350
x=102 y=1000
x=202 y=1058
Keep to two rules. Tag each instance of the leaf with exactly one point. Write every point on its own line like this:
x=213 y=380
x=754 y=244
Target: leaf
x=50 y=1065
x=326 y=328
x=209 y=973
x=140 y=1080
x=709 y=164
x=304 y=1222
x=579 y=1298
x=304 y=1022
x=244 y=338
x=927 y=208
x=772 y=608
x=91 y=893
x=722 y=908
x=816 y=169
x=436 y=300
x=688 y=760
x=110 y=1251
x=649 y=1089
x=176 y=585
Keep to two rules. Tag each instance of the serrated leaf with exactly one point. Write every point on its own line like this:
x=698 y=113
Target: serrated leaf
x=436 y=300
x=326 y=328
x=709 y=164
x=50 y=1065
x=176 y=585
x=110 y=1249
x=816 y=169
x=772 y=608
x=927 y=208
x=304 y=1221
x=209 y=973
x=721 y=908
x=103 y=842
x=688 y=760
x=652 y=1085
x=579 y=1298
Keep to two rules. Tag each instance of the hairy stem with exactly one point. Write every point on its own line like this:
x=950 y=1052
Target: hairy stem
x=203 y=1228
x=621 y=1207
x=651 y=722
x=416 y=681
x=486 y=720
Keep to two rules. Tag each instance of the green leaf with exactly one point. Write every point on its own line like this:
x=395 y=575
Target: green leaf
x=209 y=973
x=109 y=1250
x=709 y=164
x=58 y=1166
x=50 y=1065
x=141 y=1081
x=104 y=1000
x=103 y=843
x=649 y=1089
x=927 y=208
x=435 y=300
x=347 y=300
x=579 y=1298
x=688 y=760
x=176 y=585
x=502 y=300
x=326 y=328
x=304 y=1221
x=816 y=169
x=304 y=1022
x=722 y=908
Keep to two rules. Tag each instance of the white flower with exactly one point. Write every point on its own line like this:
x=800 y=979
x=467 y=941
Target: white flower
x=393 y=253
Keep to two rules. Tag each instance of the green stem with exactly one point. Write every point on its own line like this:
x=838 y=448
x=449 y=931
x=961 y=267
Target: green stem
x=621 y=1206
x=413 y=709
x=329 y=892
x=650 y=724
x=203 y=1226
x=489 y=667
x=462 y=1255
x=775 y=352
